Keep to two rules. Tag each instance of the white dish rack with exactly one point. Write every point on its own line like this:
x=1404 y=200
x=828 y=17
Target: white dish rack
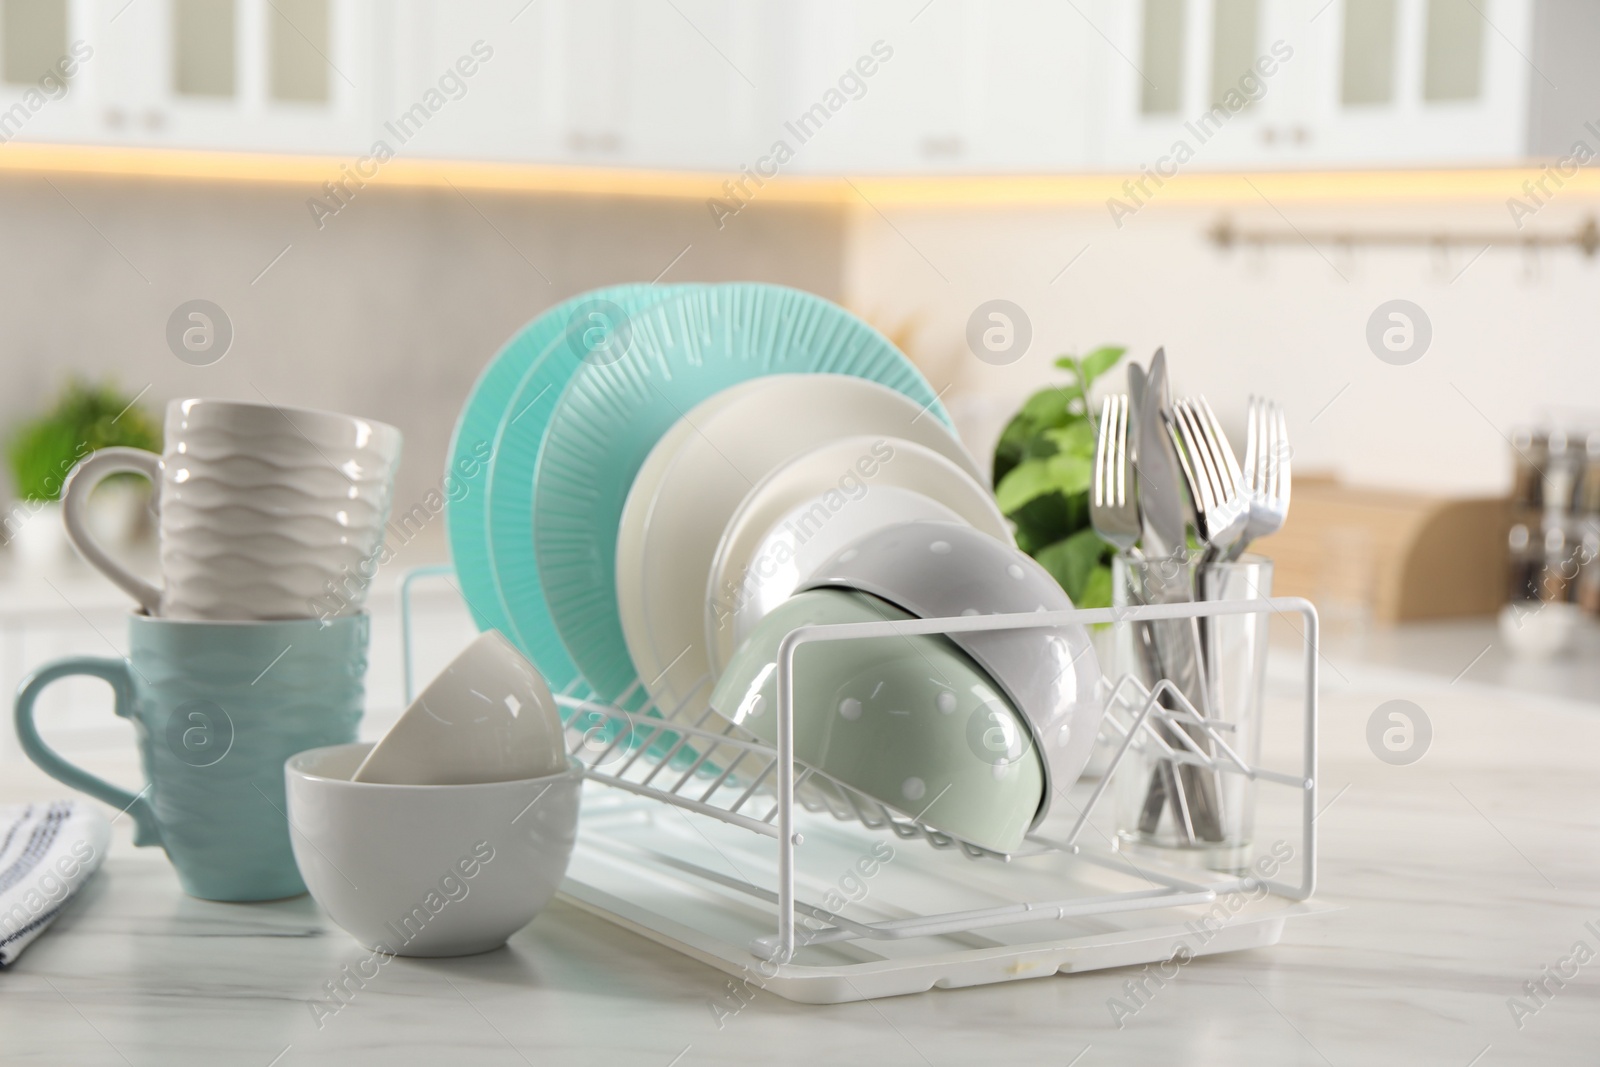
x=707 y=859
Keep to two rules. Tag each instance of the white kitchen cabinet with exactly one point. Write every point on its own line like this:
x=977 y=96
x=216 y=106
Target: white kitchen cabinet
x=48 y=71
x=492 y=69
x=705 y=81
x=954 y=86
x=819 y=86
x=1365 y=82
x=690 y=85
x=260 y=75
x=876 y=91
x=1219 y=85
x=257 y=75
x=1413 y=82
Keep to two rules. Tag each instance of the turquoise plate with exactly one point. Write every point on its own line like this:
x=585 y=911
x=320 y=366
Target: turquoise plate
x=515 y=577
x=469 y=474
x=611 y=414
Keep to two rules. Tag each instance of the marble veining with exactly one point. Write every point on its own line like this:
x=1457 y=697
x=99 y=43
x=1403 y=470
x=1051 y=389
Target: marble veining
x=1461 y=877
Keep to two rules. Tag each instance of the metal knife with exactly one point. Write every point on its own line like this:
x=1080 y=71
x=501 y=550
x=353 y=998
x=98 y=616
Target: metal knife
x=1161 y=501
x=1164 y=784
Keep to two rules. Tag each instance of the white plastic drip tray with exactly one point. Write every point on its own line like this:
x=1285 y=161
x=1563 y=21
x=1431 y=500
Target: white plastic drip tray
x=655 y=870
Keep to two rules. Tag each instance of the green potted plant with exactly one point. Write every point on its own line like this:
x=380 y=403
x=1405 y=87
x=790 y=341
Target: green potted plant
x=1043 y=468
x=42 y=452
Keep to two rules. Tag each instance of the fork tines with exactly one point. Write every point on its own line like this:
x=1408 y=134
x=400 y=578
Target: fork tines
x=1267 y=454
x=1110 y=454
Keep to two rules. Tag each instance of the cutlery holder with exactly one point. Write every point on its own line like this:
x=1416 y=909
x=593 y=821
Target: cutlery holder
x=1153 y=797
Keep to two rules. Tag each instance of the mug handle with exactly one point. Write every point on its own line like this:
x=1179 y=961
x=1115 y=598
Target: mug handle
x=114 y=671
x=90 y=472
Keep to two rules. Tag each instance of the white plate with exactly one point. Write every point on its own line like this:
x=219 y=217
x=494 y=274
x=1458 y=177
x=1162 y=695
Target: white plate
x=734 y=446
x=816 y=504
x=630 y=531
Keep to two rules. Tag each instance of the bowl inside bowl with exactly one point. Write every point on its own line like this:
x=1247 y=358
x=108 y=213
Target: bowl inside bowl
x=487 y=717
x=428 y=870
x=909 y=721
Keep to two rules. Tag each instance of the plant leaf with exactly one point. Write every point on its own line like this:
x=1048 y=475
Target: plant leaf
x=1047 y=519
x=1050 y=407
x=1021 y=440
x=1096 y=590
x=84 y=418
x=1077 y=438
x=1073 y=560
x=1061 y=473
x=1098 y=362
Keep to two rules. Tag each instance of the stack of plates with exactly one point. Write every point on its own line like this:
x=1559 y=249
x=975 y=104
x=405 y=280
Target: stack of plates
x=643 y=473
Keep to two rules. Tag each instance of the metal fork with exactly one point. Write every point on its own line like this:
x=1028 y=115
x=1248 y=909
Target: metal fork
x=1266 y=473
x=1114 y=499
x=1221 y=503
x=1221 y=512
x=1114 y=514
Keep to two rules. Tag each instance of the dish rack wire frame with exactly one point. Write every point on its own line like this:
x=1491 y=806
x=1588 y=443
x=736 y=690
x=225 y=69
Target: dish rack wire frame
x=1132 y=709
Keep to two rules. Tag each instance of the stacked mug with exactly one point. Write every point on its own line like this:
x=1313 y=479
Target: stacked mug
x=254 y=645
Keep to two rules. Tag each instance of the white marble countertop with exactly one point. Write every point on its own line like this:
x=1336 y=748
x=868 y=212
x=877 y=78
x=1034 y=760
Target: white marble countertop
x=1461 y=877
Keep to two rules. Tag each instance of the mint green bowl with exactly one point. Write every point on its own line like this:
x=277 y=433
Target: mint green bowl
x=911 y=722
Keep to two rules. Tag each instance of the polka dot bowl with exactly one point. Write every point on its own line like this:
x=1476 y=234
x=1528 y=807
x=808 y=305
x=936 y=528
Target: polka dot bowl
x=911 y=722
x=940 y=570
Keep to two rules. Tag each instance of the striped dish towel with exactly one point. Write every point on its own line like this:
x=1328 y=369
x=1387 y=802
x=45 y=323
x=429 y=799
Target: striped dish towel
x=47 y=852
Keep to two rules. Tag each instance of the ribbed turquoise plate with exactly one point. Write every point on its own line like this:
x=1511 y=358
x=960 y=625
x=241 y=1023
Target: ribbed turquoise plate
x=469 y=474
x=517 y=444
x=684 y=350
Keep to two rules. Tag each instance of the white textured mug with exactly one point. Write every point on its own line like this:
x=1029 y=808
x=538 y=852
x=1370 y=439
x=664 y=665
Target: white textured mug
x=263 y=510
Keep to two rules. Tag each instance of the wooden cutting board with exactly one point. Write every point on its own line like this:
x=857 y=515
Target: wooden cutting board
x=1399 y=556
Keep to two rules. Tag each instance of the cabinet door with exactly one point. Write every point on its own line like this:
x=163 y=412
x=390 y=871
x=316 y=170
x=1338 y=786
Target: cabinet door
x=682 y=85
x=1039 y=104
x=952 y=86
x=48 y=71
x=273 y=75
x=1425 y=82
x=1200 y=84
x=1362 y=83
x=703 y=83
x=595 y=40
x=493 y=71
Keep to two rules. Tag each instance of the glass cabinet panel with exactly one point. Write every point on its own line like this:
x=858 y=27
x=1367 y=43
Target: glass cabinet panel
x=1367 y=69
x=203 y=50
x=33 y=38
x=1233 y=45
x=298 y=32
x=1453 y=56
x=1161 y=57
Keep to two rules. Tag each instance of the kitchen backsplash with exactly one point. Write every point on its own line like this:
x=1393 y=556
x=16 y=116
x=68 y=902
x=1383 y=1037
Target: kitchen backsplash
x=405 y=298
x=390 y=311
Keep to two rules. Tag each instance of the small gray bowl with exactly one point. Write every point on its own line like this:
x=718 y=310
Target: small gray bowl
x=938 y=570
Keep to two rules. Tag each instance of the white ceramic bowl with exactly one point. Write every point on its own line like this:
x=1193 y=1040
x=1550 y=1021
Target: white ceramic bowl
x=813 y=506
x=428 y=870
x=487 y=717
x=944 y=570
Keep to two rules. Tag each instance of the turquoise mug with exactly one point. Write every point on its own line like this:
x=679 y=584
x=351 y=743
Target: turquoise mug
x=218 y=707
